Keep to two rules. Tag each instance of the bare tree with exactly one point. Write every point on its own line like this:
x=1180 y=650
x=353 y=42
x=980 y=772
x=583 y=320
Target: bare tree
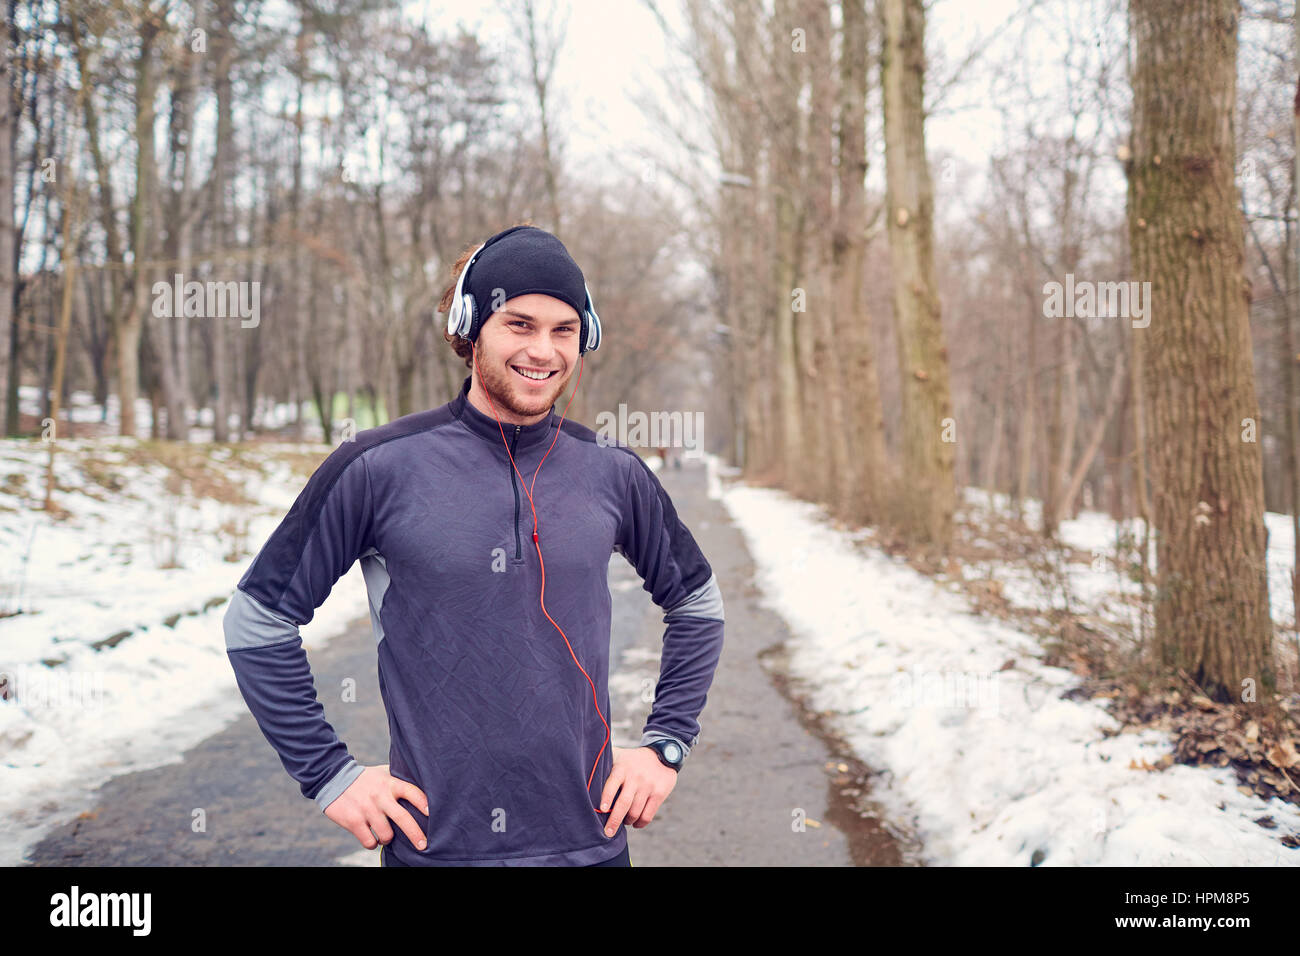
x=927 y=493
x=1211 y=607
x=9 y=101
x=542 y=44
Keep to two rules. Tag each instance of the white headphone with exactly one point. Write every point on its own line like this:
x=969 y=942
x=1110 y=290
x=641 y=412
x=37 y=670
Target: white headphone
x=463 y=318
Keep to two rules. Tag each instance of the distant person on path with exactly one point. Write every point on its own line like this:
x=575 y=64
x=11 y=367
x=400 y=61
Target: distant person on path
x=670 y=455
x=484 y=529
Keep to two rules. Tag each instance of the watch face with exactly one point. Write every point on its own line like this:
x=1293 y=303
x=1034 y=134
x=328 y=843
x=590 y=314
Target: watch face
x=672 y=752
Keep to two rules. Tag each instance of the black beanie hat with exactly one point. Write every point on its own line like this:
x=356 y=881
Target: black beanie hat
x=518 y=261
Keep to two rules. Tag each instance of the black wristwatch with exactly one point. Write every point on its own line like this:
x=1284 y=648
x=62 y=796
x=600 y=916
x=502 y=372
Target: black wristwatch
x=670 y=753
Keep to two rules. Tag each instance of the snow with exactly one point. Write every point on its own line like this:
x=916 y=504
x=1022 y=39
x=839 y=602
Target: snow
x=1095 y=533
x=82 y=408
x=141 y=703
x=988 y=766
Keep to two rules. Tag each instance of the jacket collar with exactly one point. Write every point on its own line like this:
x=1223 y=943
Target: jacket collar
x=487 y=428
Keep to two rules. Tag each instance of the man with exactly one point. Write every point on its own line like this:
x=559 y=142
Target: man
x=487 y=578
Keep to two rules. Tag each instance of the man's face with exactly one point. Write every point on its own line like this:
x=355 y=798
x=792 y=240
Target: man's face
x=535 y=334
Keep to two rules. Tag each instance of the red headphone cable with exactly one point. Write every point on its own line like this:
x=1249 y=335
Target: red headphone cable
x=537 y=543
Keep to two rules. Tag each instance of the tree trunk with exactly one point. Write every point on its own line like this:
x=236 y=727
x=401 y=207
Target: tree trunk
x=785 y=186
x=994 y=457
x=117 y=279
x=828 y=464
x=71 y=210
x=1074 y=481
x=173 y=333
x=868 y=469
x=1211 y=605
x=223 y=48
x=127 y=332
x=927 y=492
x=1292 y=358
x=8 y=238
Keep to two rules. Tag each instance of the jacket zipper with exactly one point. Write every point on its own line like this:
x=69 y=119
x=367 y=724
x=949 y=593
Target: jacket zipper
x=518 y=546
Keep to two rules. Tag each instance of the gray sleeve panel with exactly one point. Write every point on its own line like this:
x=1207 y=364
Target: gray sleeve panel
x=340 y=782
x=250 y=623
x=274 y=677
x=705 y=601
x=375 y=570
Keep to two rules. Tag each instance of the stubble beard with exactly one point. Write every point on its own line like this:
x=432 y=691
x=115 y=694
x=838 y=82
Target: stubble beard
x=500 y=384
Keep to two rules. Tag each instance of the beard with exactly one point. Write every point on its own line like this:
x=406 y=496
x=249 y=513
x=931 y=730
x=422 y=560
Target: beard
x=507 y=390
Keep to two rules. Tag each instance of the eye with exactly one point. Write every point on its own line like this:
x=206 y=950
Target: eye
x=520 y=322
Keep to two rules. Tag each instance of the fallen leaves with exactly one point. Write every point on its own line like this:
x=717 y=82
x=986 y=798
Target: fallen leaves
x=1166 y=761
x=1283 y=755
x=1262 y=752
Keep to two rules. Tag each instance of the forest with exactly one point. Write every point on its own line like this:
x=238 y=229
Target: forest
x=226 y=220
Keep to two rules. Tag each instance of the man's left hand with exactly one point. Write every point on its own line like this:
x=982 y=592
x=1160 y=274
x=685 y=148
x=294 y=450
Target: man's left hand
x=645 y=783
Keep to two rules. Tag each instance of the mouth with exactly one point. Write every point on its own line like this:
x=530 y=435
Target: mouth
x=534 y=376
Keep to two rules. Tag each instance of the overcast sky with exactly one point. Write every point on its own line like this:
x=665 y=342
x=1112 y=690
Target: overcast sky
x=614 y=49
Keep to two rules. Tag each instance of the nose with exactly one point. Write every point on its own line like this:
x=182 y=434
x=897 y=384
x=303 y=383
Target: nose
x=541 y=351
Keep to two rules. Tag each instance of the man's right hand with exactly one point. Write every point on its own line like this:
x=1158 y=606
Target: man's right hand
x=371 y=800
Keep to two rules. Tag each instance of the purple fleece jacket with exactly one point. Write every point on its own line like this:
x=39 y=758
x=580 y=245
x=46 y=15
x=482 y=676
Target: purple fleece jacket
x=488 y=714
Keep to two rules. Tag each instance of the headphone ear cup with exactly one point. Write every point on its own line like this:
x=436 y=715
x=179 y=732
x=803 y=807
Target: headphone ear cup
x=461 y=323
x=471 y=318
x=453 y=316
x=590 y=331
x=458 y=319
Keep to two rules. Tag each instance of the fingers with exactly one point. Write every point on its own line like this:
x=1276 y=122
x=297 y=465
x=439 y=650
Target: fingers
x=640 y=794
x=652 y=806
x=399 y=789
x=412 y=794
x=612 y=783
x=624 y=803
x=368 y=808
x=389 y=811
x=638 y=805
x=405 y=822
x=375 y=824
x=356 y=823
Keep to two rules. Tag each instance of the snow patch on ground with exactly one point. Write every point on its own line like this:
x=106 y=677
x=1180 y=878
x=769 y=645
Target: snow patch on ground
x=96 y=713
x=989 y=766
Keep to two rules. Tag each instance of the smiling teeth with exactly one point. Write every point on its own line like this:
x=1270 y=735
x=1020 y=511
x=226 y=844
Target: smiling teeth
x=533 y=375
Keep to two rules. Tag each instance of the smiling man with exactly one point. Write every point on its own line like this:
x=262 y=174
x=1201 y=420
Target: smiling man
x=484 y=529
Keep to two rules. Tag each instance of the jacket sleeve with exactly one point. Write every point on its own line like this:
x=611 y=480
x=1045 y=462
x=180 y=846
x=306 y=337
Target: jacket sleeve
x=326 y=530
x=656 y=542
